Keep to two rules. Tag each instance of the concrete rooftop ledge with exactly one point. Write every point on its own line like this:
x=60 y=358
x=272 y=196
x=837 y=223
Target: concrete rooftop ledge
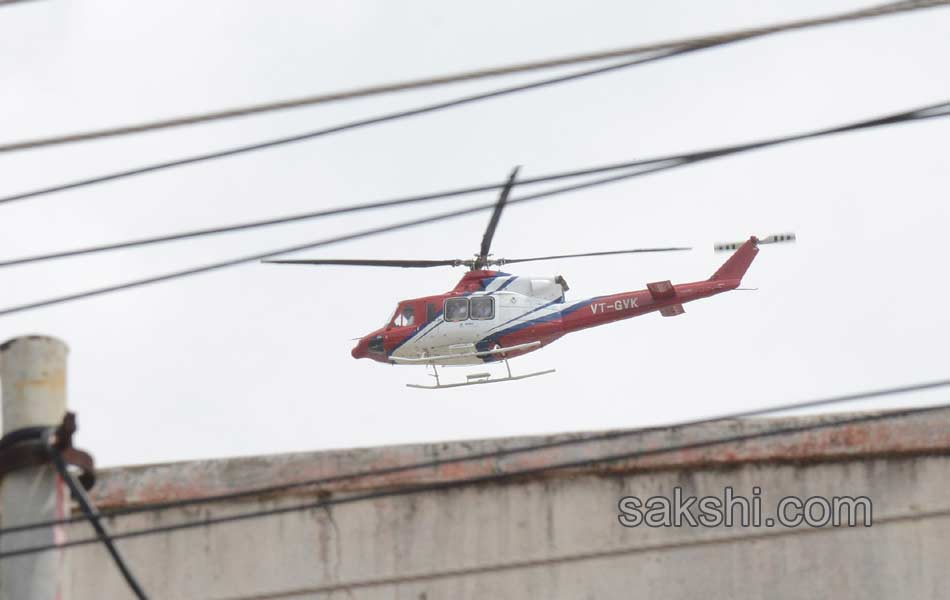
x=928 y=433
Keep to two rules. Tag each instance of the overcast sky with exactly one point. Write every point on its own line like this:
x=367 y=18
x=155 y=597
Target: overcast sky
x=256 y=359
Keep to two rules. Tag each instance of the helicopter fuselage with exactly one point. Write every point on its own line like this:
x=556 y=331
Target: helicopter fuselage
x=491 y=310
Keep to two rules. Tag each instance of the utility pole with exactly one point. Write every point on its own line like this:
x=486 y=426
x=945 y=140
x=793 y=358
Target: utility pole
x=33 y=378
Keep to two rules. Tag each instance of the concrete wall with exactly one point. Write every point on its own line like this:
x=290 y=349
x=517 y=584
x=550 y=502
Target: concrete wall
x=555 y=536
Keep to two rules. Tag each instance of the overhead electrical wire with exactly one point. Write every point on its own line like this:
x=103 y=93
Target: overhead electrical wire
x=316 y=214
x=533 y=471
x=394 y=116
x=91 y=514
x=309 y=245
x=652 y=166
x=674 y=161
x=496 y=454
x=675 y=51
x=562 y=61
x=939 y=109
x=348 y=586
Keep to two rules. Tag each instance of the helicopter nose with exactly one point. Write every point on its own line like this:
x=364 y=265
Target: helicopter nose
x=359 y=351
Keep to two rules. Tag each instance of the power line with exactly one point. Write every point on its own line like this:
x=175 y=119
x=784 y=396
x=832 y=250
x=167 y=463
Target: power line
x=496 y=454
x=260 y=256
x=198 y=158
x=320 y=214
x=875 y=11
x=519 y=473
x=695 y=155
x=159 y=166
x=91 y=514
x=511 y=565
x=931 y=111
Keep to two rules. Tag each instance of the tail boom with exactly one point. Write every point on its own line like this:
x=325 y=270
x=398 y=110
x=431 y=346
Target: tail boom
x=608 y=309
x=662 y=297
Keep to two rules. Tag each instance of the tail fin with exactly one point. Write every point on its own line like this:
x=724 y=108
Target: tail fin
x=738 y=263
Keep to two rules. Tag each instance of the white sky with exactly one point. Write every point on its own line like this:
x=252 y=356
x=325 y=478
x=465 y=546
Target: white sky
x=255 y=359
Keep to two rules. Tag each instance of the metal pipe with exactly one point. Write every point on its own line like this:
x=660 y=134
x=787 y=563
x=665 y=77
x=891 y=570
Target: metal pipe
x=33 y=378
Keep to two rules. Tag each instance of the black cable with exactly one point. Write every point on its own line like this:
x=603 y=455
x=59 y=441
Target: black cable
x=875 y=11
x=928 y=112
x=715 y=42
x=610 y=435
x=17 y=436
x=351 y=125
x=498 y=454
x=342 y=238
x=695 y=155
x=91 y=514
x=609 y=551
x=459 y=483
x=322 y=213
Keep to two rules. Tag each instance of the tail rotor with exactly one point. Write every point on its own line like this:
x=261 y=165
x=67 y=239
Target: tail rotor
x=777 y=238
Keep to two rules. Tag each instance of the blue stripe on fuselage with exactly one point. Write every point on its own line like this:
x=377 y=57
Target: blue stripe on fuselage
x=486 y=342
x=437 y=317
x=434 y=327
x=506 y=284
x=533 y=310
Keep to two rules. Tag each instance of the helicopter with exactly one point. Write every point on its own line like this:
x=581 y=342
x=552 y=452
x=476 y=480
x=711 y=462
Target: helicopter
x=491 y=316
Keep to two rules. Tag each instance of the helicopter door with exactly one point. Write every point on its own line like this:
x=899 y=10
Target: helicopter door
x=466 y=320
x=456 y=326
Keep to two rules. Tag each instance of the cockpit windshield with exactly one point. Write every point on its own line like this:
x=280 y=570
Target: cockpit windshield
x=405 y=316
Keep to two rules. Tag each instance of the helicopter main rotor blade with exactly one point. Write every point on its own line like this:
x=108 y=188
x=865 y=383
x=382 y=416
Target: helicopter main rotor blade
x=360 y=262
x=482 y=259
x=505 y=261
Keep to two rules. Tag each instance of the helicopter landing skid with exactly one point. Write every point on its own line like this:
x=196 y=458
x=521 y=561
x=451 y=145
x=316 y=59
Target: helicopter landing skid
x=475 y=379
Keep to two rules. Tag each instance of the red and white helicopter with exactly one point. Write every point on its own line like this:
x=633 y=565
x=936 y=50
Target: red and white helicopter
x=494 y=316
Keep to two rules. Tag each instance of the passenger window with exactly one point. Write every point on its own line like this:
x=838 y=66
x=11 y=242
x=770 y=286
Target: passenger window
x=483 y=308
x=456 y=309
x=431 y=311
x=405 y=316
